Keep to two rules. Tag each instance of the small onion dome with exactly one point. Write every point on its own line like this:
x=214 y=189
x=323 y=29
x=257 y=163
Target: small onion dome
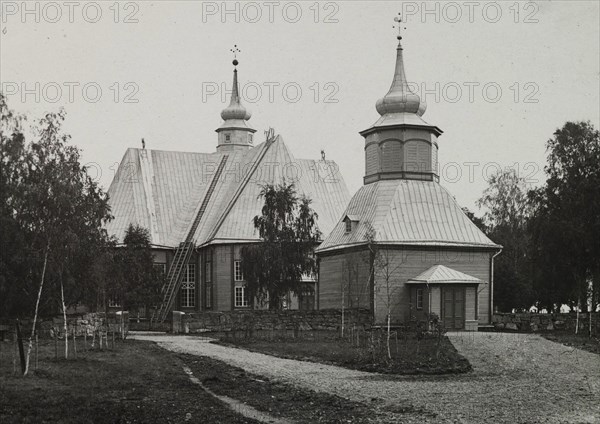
x=400 y=98
x=235 y=110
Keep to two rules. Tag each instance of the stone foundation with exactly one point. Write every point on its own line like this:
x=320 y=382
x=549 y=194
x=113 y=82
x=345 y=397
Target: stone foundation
x=546 y=322
x=80 y=324
x=321 y=320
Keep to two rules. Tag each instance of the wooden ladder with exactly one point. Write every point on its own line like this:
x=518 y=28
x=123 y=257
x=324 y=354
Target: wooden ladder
x=184 y=253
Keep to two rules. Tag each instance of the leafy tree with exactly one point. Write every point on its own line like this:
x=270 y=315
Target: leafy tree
x=54 y=212
x=507 y=212
x=15 y=254
x=479 y=223
x=566 y=223
x=289 y=233
x=135 y=283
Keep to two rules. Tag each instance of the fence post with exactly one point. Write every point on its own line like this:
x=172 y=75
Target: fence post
x=74 y=343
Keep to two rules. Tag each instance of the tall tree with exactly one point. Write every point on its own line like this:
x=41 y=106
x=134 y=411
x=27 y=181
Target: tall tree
x=135 y=283
x=52 y=205
x=288 y=230
x=479 y=222
x=566 y=223
x=507 y=210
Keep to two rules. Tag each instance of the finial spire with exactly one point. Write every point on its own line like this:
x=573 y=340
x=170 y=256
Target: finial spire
x=399 y=21
x=400 y=98
x=235 y=51
x=235 y=110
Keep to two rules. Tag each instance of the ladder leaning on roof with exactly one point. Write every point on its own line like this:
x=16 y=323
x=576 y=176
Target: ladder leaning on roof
x=184 y=253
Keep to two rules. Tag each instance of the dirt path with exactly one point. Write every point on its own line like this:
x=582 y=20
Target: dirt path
x=517 y=378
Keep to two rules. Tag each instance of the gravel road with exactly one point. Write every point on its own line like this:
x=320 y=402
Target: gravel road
x=517 y=378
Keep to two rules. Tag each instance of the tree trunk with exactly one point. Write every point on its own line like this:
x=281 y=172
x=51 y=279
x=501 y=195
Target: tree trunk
x=389 y=319
x=37 y=305
x=64 y=309
x=577 y=319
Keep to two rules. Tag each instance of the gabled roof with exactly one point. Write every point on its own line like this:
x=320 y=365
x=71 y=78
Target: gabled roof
x=406 y=212
x=163 y=191
x=440 y=274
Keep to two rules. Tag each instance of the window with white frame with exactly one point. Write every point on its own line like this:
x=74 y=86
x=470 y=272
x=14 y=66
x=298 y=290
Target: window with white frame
x=348 y=226
x=241 y=297
x=419 y=298
x=237 y=271
x=113 y=303
x=188 y=287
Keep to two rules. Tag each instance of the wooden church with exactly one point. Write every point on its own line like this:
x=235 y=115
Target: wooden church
x=199 y=209
x=403 y=244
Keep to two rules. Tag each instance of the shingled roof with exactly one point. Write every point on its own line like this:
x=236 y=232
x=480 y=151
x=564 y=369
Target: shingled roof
x=406 y=212
x=163 y=191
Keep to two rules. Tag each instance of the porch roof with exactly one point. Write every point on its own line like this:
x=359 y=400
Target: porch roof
x=440 y=274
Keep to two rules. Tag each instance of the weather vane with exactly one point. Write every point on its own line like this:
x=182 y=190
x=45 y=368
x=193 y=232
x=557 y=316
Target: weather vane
x=235 y=51
x=398 y=20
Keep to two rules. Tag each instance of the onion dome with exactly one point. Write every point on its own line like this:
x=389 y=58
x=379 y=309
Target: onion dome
x=400 y=98
x=235 y=110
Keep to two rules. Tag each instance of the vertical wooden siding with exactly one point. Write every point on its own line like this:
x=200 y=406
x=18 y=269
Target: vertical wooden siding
x=350 y=271
x=403 y=265
x=222 y=277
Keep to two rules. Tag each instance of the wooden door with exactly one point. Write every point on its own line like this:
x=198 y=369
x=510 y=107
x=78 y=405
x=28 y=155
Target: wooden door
x=453 y=307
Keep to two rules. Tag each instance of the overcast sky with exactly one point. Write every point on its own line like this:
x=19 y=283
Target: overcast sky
x=498 y=78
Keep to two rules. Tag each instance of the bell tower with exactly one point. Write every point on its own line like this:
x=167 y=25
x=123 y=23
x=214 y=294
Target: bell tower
x=401 y=145
x=234 y=133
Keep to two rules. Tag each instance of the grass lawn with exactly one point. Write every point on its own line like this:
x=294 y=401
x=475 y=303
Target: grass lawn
x=409 y=356
x=138 y=382
x=580 y=341
x=286 y=401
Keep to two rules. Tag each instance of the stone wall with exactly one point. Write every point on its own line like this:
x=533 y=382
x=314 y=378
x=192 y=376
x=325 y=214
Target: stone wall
x=80 y=324
x=545 y=322
x=321 y=320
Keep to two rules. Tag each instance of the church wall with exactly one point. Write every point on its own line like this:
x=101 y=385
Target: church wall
x=159 y=256
x=403 y=265
x=223 y=277
x=406 y=264
x=349 y=272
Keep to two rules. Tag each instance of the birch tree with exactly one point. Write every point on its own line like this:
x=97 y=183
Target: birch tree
x=289 y=233
x=385 y=273
x=51 y=202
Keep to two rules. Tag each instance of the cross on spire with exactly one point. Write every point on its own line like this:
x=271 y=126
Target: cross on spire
x=399 y=21
x=235 y=51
